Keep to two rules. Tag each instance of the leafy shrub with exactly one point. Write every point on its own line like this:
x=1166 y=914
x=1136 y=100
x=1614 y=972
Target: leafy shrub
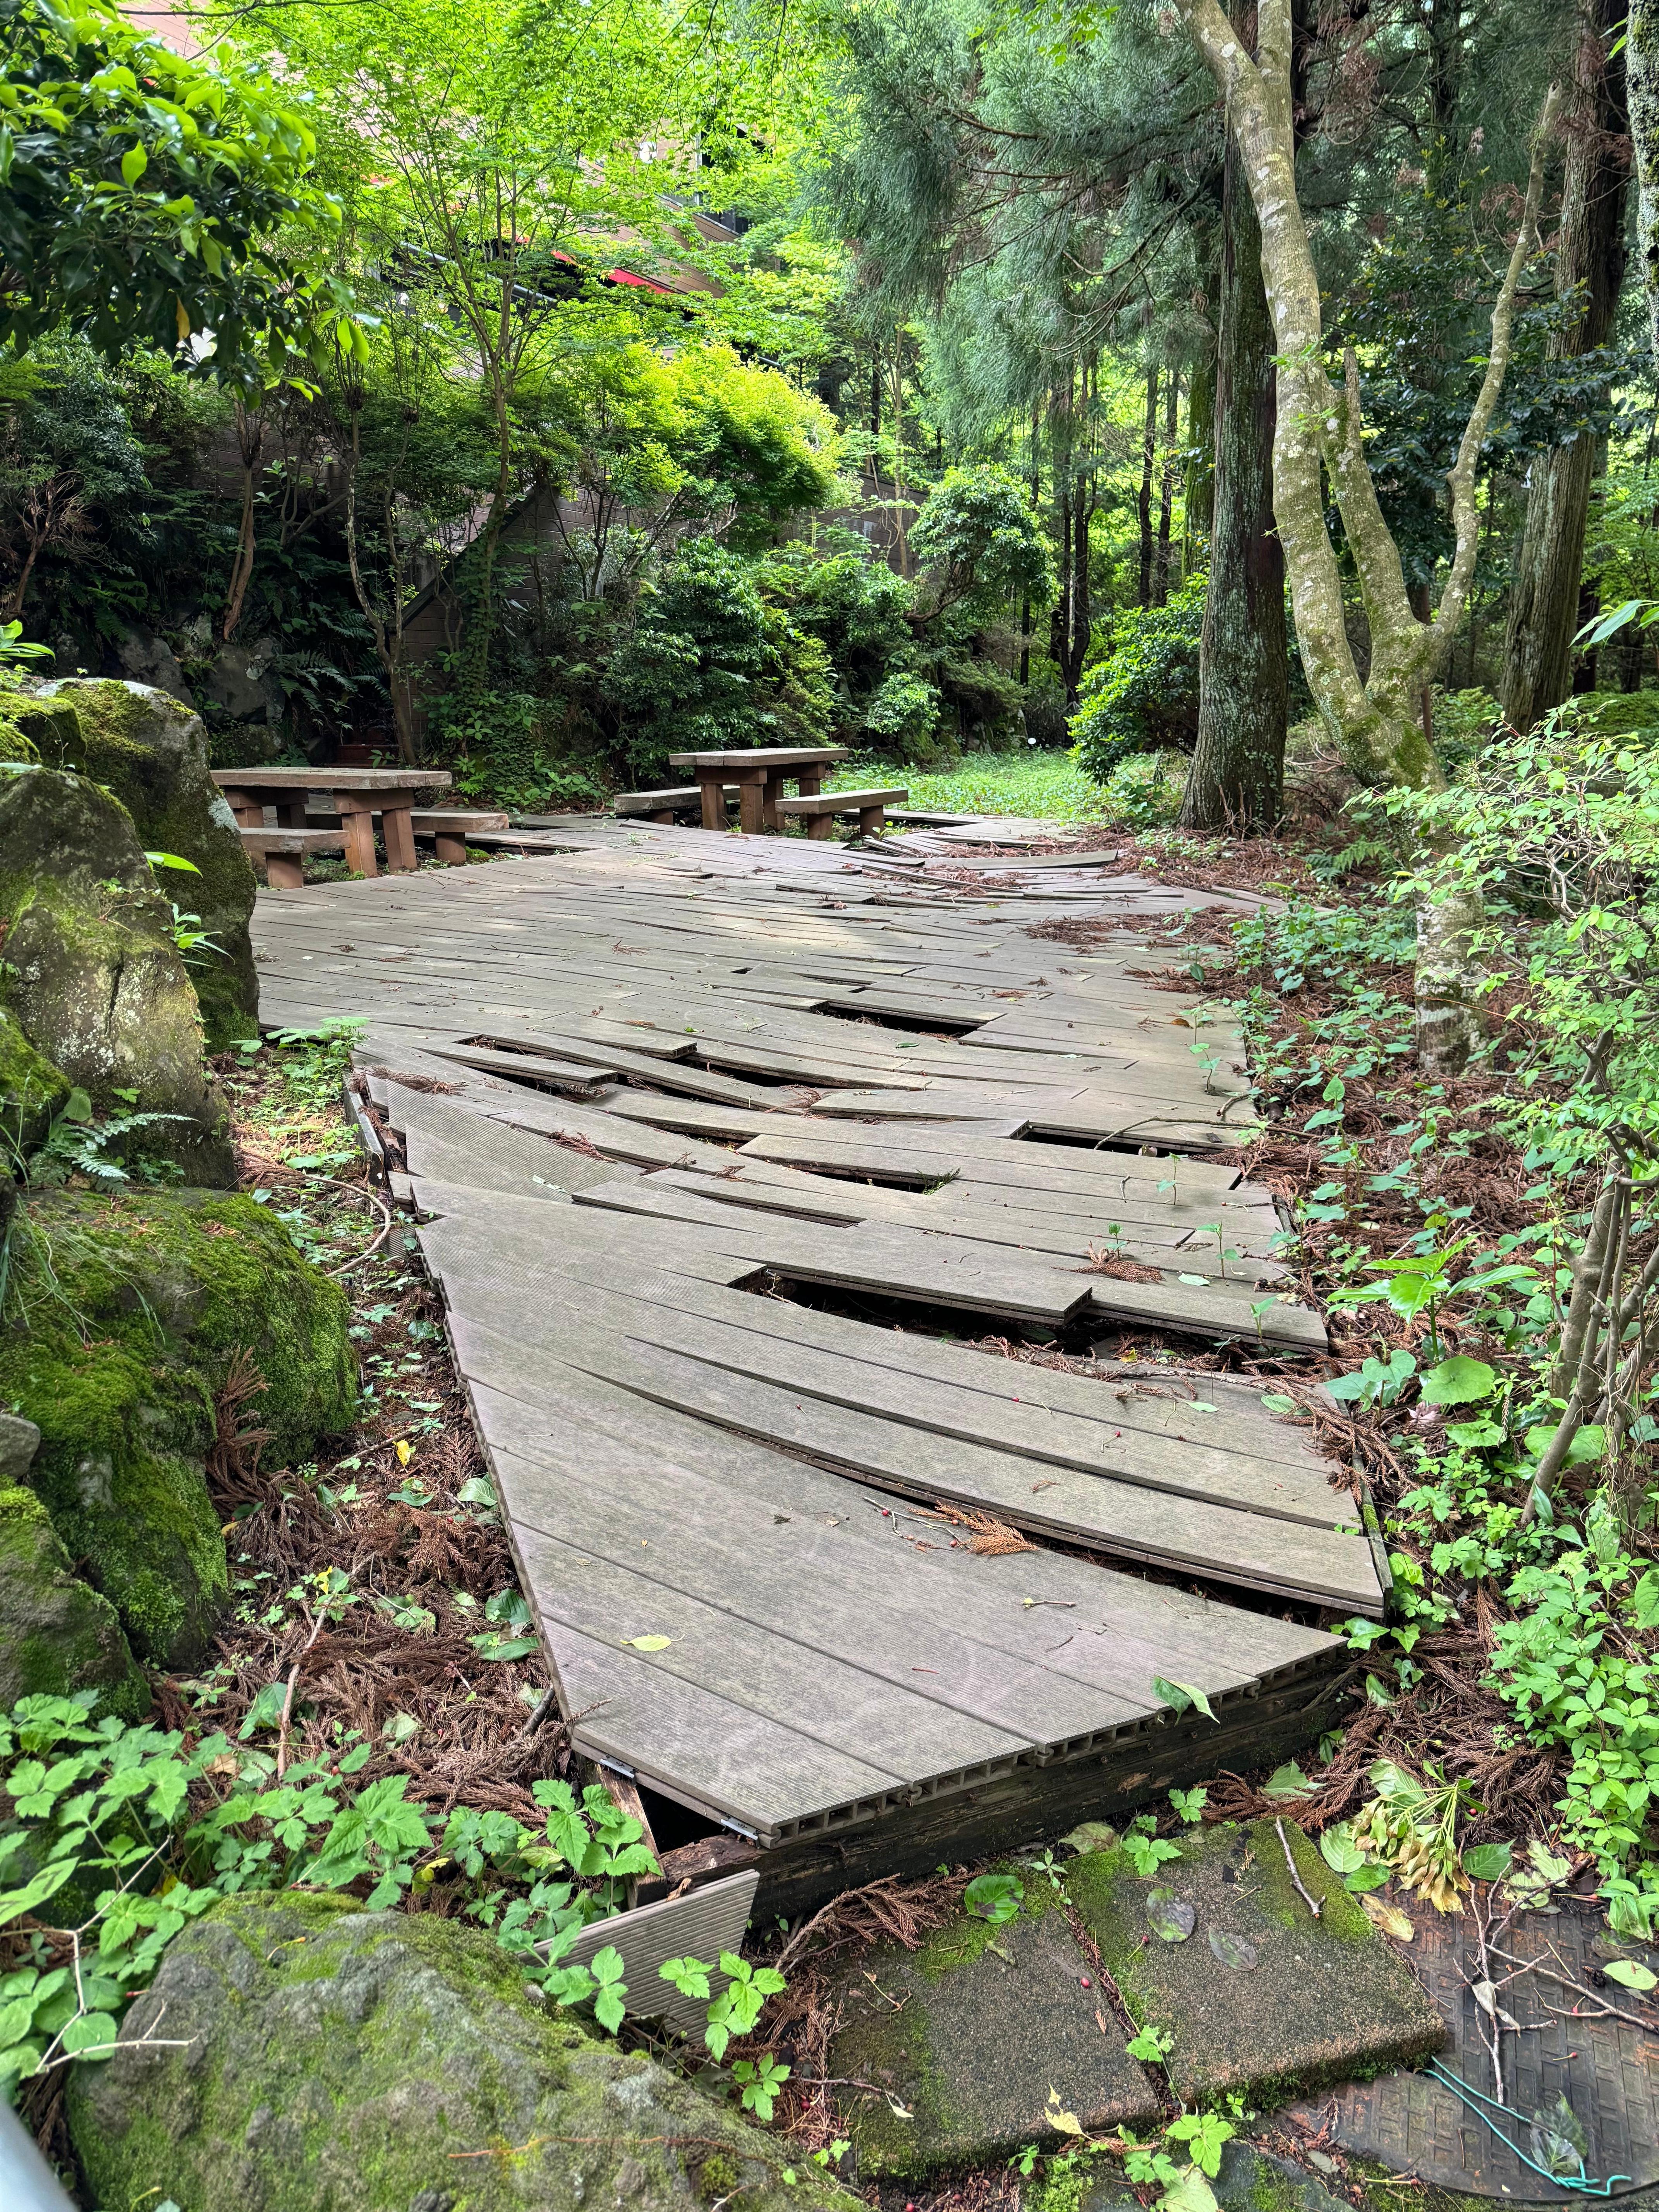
x=1145 y=696
x=711 y=664
x=901 y=717
x=99 y=1826
x=981 y=545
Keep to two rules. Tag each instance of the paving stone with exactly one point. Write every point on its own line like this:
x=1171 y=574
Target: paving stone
x=1305 y=2000
x=969 y=2035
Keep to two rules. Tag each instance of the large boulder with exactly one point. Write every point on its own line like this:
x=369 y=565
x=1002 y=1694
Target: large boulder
x=55 y=1634
x=322 y=2059
x=152 y=752
x=92 y=976
x=134 y=1309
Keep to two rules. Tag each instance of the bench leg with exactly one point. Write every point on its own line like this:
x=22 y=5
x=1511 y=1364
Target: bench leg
x=820 y=825
x=358 y=823
x=871 y=820
x=400 y=834
x=714 y=802
x=751 y=804
x=450 y=848
x=771 y=791
x=285 y=872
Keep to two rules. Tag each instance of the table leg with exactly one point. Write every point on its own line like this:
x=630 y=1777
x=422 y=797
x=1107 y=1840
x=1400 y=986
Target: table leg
x=810 y=782
x=712 y=784
x=358 y=821
x=399 y=832
x=247 y=807
x=751 y=800
x=772 y=791
x=291 y=813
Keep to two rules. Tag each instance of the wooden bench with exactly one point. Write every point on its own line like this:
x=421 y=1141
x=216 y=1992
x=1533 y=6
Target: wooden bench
x=283 y=852
x=664 y=805
x=449 y=827
x=819 y=809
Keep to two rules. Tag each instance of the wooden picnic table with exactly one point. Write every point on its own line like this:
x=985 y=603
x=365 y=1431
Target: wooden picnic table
x=760 y=773
x=358 y=794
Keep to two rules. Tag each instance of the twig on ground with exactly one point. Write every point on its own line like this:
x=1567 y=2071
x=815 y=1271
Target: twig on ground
x=1311 y=1903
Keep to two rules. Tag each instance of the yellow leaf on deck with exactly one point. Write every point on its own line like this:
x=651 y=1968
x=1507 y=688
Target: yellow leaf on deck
x=647 y=1642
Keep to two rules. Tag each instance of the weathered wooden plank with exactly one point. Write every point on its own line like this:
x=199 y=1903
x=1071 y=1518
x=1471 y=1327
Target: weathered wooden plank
x=1134 y=1626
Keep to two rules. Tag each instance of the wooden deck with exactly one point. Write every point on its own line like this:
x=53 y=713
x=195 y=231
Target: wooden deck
x=648 y=1081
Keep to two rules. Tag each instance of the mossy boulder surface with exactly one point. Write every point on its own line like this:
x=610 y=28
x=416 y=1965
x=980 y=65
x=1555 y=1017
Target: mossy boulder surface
x=32 y=729
x=134 y=1309
x=91 y=974
x=1260 y=1997
x=55 y=1634
x=32 y=1090
x=153 y=753
x=337 y=2060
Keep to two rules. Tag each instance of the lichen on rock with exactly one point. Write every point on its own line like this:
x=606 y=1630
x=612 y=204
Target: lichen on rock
x=91 y=974
x=153 y=753
x=368 y=2061
x=125 y=1316
x=55 y=1634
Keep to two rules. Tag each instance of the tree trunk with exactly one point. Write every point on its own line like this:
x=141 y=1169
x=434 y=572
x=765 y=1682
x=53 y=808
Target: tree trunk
x=1144 y=503
x=1199 y=490
x=1590 y=265
x=1236 y=779
x=1166 y=497
x=1642 y=59
x=1319 y=430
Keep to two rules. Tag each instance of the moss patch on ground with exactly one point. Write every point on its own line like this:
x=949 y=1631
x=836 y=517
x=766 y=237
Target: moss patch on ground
x=965 y=2038
x=1280 y=2002
x=126 y=1315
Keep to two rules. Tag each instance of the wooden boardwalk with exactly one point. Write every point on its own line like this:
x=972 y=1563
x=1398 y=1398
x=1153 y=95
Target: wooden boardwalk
x=656 y=1091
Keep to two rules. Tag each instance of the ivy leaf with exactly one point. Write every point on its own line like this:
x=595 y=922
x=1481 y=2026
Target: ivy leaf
x=1181 y=1695
x=1629 y=1973
x=1488 y=1861
x=91 y=2029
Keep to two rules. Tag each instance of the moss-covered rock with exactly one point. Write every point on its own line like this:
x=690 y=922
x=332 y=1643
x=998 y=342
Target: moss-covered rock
x=32 y=1090
x=134 y=1309
x=379 y=2062
x=91 y=974
x=55 y=1634
x=34 y=729
x=152 y=752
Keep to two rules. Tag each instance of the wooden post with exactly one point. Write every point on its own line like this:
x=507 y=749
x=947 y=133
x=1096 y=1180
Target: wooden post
x=711 y=783
x=644 y=1887
x=871 y=821
x=772 y=780
x=291 y=812
x=751 y=800
x=399 y=833
x=285 y=872
x=451 y=846
x=357 y=820
x=247 y=808
x=820 y=825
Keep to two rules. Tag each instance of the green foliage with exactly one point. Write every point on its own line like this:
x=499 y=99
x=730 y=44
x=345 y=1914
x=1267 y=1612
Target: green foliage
x=980 y=544
x=995 y=1897
x=140 y=195
x=1143 y=695
x=102 y=1823
x=711 y=664
x=1029 y=782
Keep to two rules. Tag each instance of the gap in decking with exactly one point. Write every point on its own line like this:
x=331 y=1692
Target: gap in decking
x=944 y=1027
x=1118 y=1150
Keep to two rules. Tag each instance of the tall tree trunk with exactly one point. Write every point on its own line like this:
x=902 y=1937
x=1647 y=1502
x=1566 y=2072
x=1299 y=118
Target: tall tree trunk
x=1166 y=497
x=1238 y=776
x=1589 y=267
x=1642 y=59
x=1320 y=429
x=1144 y=503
